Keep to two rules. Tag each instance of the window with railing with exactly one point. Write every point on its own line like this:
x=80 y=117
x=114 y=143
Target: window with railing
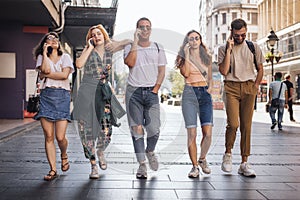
x=289 y=46
x=224 y=38
x=234 y=15
x=252 y=18
x=223 y=18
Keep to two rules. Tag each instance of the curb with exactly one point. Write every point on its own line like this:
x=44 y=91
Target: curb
x=6 y=135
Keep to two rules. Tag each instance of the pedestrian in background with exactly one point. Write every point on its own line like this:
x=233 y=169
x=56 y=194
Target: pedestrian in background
x=146 y=61
x=195 y=65
x=241 y=82
x=92 y=106
x=54 y=68
x=290 y=89
x=277 y=89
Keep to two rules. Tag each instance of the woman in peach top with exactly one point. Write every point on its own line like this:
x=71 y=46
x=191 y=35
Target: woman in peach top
x=195 y=65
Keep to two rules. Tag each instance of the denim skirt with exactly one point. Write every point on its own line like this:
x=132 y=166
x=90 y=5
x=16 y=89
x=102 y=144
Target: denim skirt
x=54 y=104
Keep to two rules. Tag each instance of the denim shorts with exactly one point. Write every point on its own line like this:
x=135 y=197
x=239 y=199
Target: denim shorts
x=54 y=104
x=196 y=100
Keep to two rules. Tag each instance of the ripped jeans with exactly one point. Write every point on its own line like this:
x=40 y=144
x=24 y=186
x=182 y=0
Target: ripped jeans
x=143 y=112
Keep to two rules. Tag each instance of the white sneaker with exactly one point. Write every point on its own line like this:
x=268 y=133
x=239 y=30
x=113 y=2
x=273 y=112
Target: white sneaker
x=194 y=173
x=153 y=163
x=204 y=166
x=227 y=162
x=102 y=161
x=142 y=171
x=246 y=170
x=94 y=173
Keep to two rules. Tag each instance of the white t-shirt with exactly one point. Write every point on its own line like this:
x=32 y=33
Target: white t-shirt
x=64 y=61
x=275 y=87
x=145 y=71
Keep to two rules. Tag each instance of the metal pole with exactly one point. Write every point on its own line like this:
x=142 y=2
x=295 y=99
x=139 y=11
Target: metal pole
x=272 y=65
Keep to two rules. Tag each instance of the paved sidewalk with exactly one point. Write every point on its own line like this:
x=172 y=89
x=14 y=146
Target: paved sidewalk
x=275 y=157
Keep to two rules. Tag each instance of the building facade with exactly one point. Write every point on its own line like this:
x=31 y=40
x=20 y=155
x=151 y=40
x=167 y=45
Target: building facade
x=21 y=30
x=283 y=17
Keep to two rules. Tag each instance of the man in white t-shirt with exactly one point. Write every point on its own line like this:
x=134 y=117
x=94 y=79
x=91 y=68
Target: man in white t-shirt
x=146 y=61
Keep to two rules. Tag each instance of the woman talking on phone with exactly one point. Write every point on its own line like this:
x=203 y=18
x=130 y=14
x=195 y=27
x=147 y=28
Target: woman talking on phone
x=92 y=106
x=195 y=65
x=54 y=114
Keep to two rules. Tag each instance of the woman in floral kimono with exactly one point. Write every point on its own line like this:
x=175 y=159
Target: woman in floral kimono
x=92 y=106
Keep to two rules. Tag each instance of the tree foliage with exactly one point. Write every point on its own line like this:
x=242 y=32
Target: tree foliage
x=177 y=81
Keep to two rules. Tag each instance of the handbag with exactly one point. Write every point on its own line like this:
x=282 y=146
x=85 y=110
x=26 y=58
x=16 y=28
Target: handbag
x=34 y=100
x=267 y=107
x=275 y=102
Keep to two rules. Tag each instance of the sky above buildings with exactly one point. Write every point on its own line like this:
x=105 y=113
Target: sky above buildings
x=170 y=19
x=178 y=16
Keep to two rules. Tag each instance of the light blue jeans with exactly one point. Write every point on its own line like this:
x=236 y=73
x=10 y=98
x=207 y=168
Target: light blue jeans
x=196 y=101
x=280 y=109
x=143 y=109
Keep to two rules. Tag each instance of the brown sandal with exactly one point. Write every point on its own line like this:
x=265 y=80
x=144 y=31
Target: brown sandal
x=66 y=166
x=51 y=176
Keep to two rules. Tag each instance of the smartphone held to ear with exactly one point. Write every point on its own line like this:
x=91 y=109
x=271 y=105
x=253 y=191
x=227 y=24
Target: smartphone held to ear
x=49 y=49
x=92 y=42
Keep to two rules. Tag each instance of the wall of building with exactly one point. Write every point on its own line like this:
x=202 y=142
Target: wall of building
x=14 y=40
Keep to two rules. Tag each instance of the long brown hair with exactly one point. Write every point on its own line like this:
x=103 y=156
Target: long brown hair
x=203 y=52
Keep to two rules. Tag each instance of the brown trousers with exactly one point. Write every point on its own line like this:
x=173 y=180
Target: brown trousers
x=240 y=98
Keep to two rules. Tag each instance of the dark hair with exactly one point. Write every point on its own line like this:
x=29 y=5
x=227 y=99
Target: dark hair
x=203 y=52
x=278 y=75
x=237 y=24
x=38 y=49
x=141 y=19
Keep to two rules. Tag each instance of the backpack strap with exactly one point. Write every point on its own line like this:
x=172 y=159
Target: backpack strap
x=252 y=49
x=157 y=47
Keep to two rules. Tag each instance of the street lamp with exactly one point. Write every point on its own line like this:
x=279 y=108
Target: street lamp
x=272 y=43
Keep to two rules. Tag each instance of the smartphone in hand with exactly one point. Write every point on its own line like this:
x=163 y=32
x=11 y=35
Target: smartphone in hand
x=49 y=49
x=92 y=42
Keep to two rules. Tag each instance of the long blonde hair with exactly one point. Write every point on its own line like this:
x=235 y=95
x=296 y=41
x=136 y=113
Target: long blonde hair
x=103 y=31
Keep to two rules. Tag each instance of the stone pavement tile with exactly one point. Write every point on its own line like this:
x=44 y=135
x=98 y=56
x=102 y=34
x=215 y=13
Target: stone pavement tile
x=134 y=194
x=277 y=194
x=295 y=185
x=250 y=186
x=98 y=184
x=169 y=185
x=273 y=179
x=219 y=194
x=49 y=193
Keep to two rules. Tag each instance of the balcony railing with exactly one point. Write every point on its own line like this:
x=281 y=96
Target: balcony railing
x=220 y=3
x=94 y=3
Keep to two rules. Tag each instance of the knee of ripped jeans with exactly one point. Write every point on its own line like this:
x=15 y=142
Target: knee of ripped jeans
x=137 y=132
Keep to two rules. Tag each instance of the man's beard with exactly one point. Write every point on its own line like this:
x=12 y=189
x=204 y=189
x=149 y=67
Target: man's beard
x=238 y=41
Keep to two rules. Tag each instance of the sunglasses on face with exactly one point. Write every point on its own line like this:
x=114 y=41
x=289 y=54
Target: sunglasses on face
x=191 y=39
x=239 y=35
x=52 y=38
x=146 y=28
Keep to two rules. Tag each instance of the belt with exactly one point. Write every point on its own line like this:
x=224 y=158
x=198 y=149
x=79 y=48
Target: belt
x=147 y=88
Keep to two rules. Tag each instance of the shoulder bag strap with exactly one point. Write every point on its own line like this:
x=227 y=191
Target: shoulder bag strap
x=280 y=90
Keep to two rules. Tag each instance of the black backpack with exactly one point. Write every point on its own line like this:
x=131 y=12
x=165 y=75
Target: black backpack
x=252 y=49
